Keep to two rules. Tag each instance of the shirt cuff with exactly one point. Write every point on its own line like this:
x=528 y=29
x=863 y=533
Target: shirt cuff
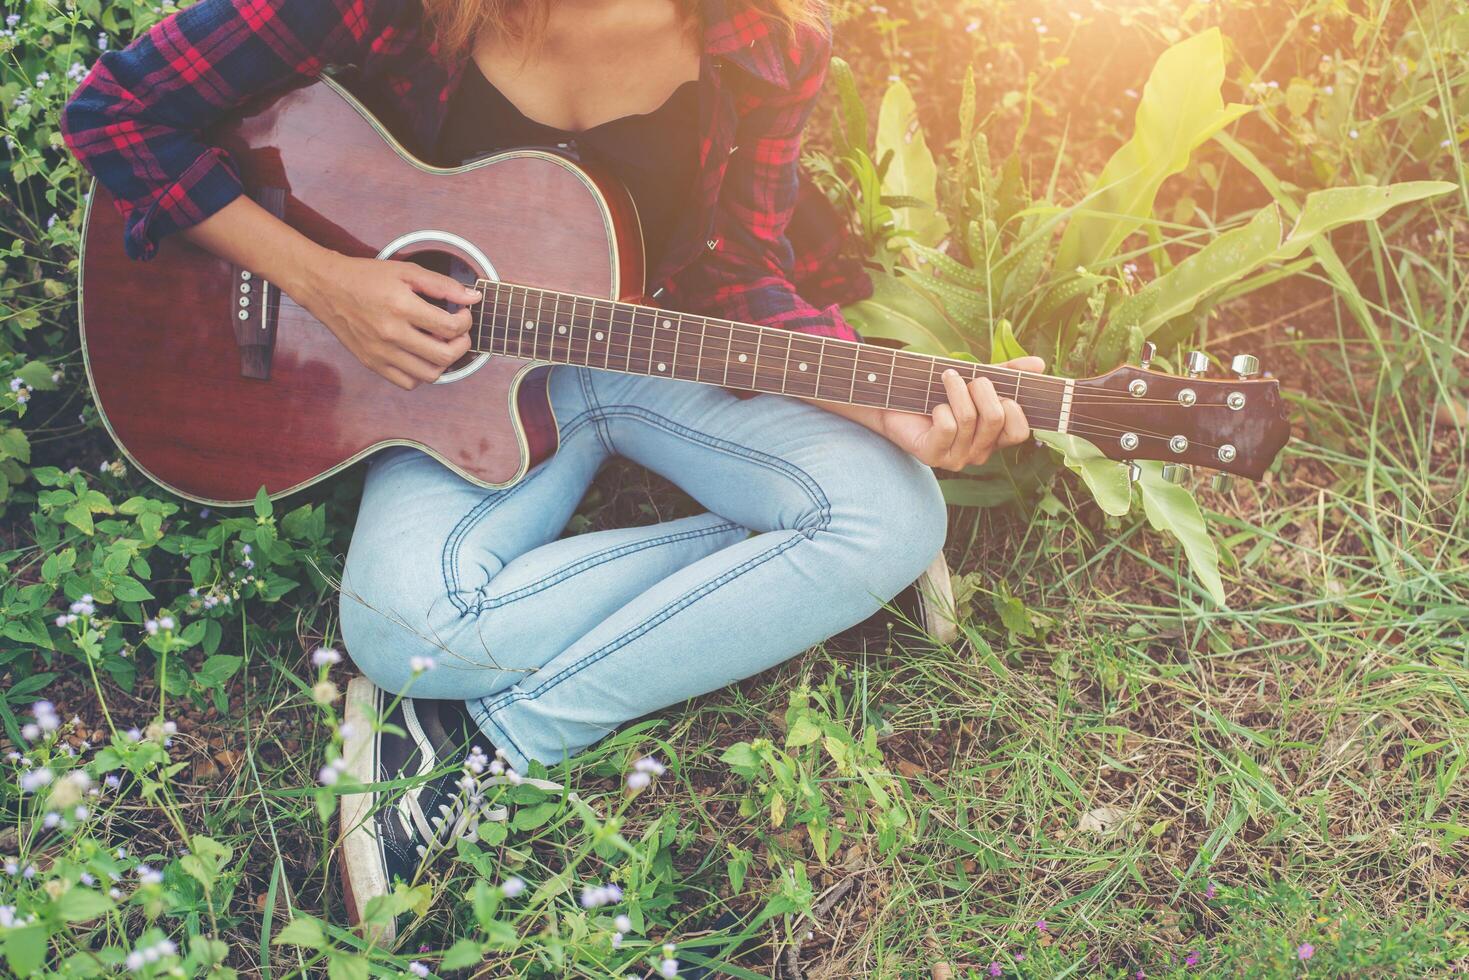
x=209 y=183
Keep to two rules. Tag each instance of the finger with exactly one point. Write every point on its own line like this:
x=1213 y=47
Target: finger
x=438 y=285
x=441 y=323
x=440 y=353
x=991 y=418
x=1030 y=363
x=415 y=367
x=962 y=405
x=1017 y=427
x=397 y=377
x=939 y=440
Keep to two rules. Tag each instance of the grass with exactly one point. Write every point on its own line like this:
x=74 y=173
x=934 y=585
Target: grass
x=1272 y=789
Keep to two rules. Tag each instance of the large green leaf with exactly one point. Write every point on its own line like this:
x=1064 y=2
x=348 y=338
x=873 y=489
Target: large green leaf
x=1172 y=508
x=1180 y=109
x=1241 y=251
x=910 y=171
x=1106 y=478
x=1337 y=206
x=896 y=311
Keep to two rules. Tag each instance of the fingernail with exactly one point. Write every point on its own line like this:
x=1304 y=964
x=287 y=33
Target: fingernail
x=950 y=373
x=476 y=294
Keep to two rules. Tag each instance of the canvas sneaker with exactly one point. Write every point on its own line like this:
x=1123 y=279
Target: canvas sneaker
x=394 y=834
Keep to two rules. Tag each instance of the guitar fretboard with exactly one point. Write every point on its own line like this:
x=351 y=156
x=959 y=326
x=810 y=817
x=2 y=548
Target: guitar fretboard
x=560 y=328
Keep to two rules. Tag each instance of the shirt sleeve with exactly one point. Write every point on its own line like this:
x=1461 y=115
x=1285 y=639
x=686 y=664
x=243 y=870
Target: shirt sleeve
x=137 y=120
x=746 y=274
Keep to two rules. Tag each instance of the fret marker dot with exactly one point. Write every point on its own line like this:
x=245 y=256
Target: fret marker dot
x=743 y=358
x=802 y=365
x=560 y=329
x=530 y=324
x=662 y=366
x=871 y=377
x=599 y=335
x=667 y=324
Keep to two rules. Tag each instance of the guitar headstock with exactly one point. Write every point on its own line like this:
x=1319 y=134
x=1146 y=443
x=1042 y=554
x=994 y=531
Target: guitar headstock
x=1233 y=426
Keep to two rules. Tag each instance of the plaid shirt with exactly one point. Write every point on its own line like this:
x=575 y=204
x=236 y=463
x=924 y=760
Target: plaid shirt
x=136 y=122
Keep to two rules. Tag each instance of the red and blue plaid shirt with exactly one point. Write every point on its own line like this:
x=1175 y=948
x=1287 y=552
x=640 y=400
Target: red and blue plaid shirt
x=137 y=122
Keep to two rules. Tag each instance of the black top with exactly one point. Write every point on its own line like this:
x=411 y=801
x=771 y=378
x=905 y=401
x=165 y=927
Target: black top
x=655 y=154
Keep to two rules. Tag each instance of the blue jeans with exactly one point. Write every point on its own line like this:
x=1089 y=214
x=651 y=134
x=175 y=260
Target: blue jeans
x=813 y=523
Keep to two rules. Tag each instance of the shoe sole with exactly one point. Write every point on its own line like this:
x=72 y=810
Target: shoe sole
x=360 y=858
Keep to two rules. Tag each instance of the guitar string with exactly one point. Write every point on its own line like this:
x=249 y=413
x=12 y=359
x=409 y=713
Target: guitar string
x=911 y=386
x=855 y=350
x=1039 y=412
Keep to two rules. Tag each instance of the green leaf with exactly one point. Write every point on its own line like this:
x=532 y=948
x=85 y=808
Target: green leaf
x=304 y=931
x=896 y=311
x=346 y=966
x=911 y=171
x=463 y=954
x=803 y=732
x=37 y=374
x=1003 y=345
x=1337 y=206
x=262 y=503
x=128 y=589
x=25 y=949
x=1173 y=509
x=1105 y=478
x=78 y=904
x=1180 y=109
x=79 y=516
x=854 y=115
x=217 y=669
x=531 y=817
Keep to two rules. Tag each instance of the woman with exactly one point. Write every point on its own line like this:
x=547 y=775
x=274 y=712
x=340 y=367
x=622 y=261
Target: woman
x=817 y=513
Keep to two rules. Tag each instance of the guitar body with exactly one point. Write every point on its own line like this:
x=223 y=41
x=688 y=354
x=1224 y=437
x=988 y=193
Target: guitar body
x=211 y=404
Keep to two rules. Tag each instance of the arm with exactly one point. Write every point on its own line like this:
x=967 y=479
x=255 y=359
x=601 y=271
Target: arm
x=746 y=276
x=137 y=122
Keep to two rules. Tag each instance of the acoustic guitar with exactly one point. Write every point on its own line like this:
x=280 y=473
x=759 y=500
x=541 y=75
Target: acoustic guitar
x=214 y=383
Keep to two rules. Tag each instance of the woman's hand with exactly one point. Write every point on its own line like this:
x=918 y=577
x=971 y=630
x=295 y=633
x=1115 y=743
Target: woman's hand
x=377 y=310
x=965 y=432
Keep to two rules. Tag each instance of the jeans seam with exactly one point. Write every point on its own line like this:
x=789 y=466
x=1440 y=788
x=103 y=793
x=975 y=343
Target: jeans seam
x=775 y=463
x=591 y=561
x=612 y=646
x=449 y=560
x=589 y=392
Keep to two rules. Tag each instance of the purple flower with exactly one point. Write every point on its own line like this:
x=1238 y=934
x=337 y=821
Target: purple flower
x=1209 y=892
x=1041 y=926
x=996 y=969
x=1305 y=951
x=1192 y=959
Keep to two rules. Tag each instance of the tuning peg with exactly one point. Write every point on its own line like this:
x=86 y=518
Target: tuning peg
x=1145 y=358
x=1134 y=472
x=1222 y=482
x=1177 y=472
x=1197 y=363
x=1245 y=365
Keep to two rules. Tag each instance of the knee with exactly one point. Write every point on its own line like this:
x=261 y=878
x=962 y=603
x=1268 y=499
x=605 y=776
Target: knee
x=896 y=513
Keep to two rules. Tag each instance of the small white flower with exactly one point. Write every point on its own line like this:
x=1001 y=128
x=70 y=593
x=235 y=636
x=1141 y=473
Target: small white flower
x=151 y=627
x=512 y=887
x=35 y=779
x=668 y=968
x=30 y=732
x=617 y=940
x=114 y=893
x=649 y=765
x=12 y=19
x=325 y=657
x=623 y=923
x=135 y=961
x=1353 y=133
x=148 y=876
x=417 y=969
x=638 y=781
x=327 y=776
x=165 y=623
x=420 y=665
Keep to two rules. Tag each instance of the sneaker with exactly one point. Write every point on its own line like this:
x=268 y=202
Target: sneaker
x=393 y=835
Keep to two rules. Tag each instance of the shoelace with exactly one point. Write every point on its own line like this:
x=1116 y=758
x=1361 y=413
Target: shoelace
x=462 y=815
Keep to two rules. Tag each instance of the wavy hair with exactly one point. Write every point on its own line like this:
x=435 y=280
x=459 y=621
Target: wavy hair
x=456 y=23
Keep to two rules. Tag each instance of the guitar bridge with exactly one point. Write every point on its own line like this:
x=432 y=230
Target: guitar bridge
x=254 y=305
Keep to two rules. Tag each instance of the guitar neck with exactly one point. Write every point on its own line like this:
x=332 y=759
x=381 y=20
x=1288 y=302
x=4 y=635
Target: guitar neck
x=561 y=328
